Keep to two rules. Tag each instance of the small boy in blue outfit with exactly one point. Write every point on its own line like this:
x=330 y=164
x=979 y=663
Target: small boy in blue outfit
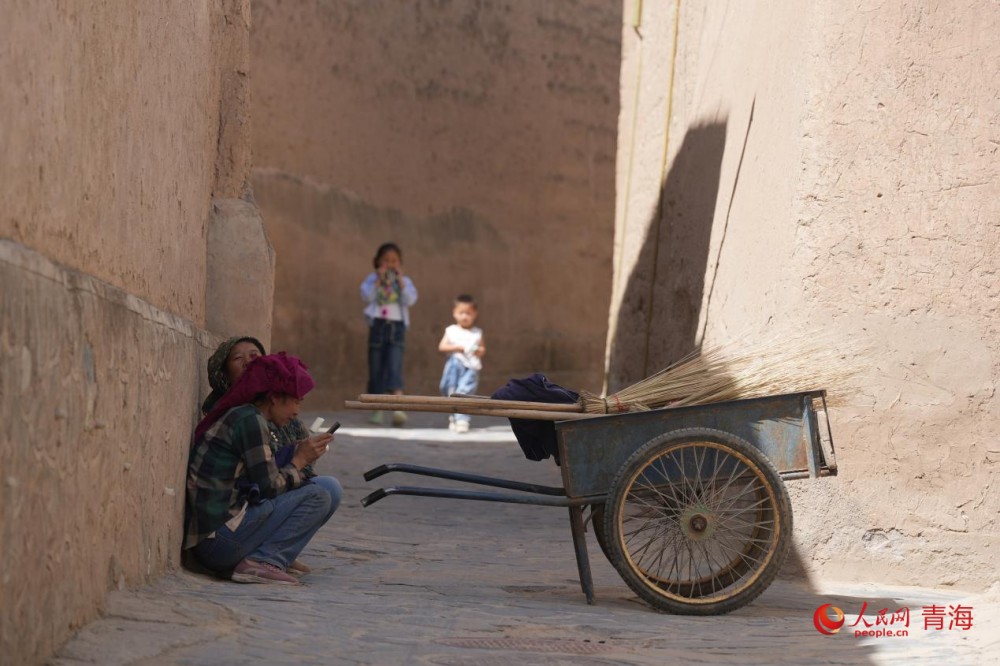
x=463 y=342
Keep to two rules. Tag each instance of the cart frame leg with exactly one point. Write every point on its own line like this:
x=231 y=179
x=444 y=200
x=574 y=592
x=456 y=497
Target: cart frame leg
x=582 y=557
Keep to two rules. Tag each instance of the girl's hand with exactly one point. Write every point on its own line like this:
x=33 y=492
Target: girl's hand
x=310 y=450
x=381 y=270
x=481 y=352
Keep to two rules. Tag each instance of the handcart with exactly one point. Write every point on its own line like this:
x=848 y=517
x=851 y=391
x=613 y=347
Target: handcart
x=688 y=504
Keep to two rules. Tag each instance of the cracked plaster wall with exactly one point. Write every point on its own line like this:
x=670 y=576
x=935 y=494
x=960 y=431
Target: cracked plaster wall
x=125 y=159
x=866 y=202
x=480 y=136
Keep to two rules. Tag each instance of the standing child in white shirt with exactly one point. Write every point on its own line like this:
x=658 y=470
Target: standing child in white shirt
x=463 y=342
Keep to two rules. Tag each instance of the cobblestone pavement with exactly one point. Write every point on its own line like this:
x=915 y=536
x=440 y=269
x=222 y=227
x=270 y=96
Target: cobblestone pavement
x=439 y=582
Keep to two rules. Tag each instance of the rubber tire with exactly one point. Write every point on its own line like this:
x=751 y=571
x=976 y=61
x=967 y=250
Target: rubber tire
x=659 y=445
x=597 y=523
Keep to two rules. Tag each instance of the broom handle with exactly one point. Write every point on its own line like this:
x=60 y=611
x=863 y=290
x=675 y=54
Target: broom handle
x=475 y=403
x=528 y=414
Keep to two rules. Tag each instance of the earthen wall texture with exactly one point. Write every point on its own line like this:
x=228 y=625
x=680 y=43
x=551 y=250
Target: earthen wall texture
x=123 y=135
x=831 y=168
x=99 y=398
x=111 y=129
x=480 y=136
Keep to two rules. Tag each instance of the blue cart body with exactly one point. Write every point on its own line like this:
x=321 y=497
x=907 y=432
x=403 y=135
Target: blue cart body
x=785 y=428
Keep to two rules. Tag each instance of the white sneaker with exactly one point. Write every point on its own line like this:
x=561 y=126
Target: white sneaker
x=461 y=427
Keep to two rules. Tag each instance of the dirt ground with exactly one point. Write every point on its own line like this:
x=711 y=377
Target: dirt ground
x=431 y=581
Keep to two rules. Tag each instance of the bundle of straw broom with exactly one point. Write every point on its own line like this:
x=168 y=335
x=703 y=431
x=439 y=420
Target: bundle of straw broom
x=779 y=363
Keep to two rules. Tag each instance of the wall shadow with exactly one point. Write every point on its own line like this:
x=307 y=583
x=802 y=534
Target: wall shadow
x=658 y=319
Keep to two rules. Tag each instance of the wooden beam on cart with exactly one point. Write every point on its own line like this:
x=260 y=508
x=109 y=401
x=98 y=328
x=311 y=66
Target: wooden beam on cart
x=528 y=414
x=472 y=403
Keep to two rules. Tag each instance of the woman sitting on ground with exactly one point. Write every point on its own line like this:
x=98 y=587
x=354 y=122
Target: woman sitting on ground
x=246 y=512
x=225 y=366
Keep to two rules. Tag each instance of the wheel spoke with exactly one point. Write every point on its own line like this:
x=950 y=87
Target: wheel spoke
x=692 y=498
x=654 y=526
x=671 y=484
x=644 y=527
x=646 y=545
x=710 y=563
x=736 y=520
x=691 y=562
x=742 y=554
x=659 y=511
x=751 y=487
x=732 y=478
x=658 y=562
x=653 y=488
x=711 y=493
x=647 y=525
x=699 y=482
x=743 y=509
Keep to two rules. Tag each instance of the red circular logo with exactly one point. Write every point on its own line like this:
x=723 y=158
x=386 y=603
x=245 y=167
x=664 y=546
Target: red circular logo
x=824 y=623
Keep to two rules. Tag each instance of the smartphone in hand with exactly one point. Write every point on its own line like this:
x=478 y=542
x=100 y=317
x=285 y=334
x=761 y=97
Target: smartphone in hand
x=317 y=427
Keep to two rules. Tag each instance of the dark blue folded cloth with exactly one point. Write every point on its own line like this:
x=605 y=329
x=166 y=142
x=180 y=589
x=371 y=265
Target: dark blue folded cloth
x=283 y=456
x=537 y=438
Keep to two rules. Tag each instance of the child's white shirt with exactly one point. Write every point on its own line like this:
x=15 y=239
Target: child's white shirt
x=468 y=339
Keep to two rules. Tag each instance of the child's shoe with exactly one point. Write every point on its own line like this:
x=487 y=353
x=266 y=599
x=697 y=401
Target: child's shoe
x=375 y=418
x=399 y=419
x=451 y=422
x=461 y=427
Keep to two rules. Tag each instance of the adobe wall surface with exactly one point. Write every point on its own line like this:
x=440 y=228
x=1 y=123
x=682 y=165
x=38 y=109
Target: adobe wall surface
x=832 y=168
x=478 y=136
x=125 y=161
x=100 y=392
x=100 y=102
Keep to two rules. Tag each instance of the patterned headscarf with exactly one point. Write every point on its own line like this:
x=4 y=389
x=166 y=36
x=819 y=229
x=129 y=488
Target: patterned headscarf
x=217 y=378
x=277 y=373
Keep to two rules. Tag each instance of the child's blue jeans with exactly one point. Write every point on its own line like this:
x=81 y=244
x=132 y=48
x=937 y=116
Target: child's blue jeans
x=386 y=344
x=458 y=379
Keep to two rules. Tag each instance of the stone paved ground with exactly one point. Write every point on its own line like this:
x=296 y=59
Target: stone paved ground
x=429 y=581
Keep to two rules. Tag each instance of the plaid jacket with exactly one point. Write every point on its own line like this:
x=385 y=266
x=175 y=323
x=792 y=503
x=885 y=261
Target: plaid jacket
x=237 y=444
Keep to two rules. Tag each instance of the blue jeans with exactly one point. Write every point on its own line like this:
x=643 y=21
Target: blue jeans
x=276 y=530
x=457 y=378
x=386 y=344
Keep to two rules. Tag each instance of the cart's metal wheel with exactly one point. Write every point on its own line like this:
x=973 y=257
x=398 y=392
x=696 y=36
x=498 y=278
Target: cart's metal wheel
x=698 y=522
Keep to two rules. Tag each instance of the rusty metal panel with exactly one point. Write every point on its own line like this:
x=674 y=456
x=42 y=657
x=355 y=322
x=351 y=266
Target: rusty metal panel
x=593 y=450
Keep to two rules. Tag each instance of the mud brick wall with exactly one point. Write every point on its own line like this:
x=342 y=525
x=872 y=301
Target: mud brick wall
x=831 y=166
x=128 y=240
